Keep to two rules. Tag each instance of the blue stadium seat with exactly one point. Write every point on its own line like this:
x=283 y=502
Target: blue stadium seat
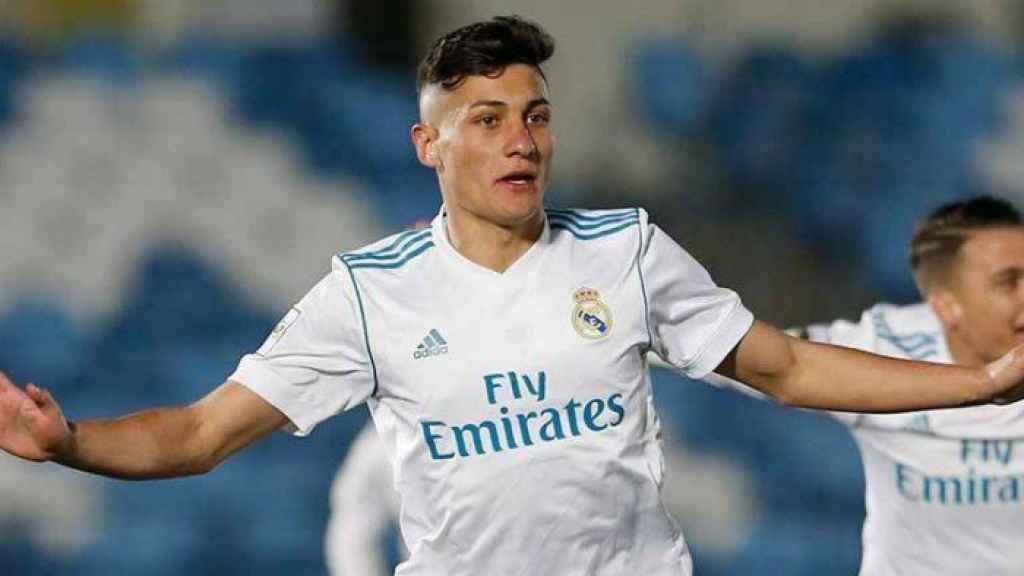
x=179 y=333
x=670 y=85
x=795 y=547
x=104 y=57
x=758 y=125
x=13 y=64
x=40 y=342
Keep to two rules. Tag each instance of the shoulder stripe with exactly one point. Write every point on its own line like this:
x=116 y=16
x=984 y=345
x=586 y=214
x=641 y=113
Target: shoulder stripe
x=597 y=234
x=589 y=215
x=399 y=237
x=916 y=345
x=366 y=332
x=396 y=240
x=590 y=225
x=397 y=249
x=394 y=264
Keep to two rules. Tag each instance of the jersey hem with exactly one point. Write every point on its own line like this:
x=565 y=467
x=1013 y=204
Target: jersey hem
x=728 y=334
x=276 y=391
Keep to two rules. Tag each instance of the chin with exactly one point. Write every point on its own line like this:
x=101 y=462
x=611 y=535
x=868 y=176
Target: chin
x=520 y=212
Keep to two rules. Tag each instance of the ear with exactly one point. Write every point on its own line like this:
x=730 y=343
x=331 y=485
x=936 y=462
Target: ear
x=947 y=307
x=424 y=138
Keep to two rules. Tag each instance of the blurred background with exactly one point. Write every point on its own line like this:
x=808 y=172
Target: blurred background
x=175 y=173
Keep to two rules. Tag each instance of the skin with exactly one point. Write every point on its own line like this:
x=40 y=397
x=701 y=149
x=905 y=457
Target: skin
x=981 y=305
x=490 y=142
x=475 y=136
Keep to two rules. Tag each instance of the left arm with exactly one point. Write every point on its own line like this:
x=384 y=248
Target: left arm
x=811 y=375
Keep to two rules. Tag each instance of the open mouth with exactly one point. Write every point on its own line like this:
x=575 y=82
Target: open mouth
x=519 y=178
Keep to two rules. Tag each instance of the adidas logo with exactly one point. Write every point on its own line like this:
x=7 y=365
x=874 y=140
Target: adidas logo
x=433 y=345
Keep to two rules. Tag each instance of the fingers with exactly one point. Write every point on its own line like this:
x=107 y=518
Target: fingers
x=40 y=396
x=34 y=392
x=1000 y=366
x=1007 y=374
x=10 y=394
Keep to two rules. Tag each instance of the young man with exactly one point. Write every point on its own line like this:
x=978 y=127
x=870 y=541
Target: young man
x=945 y=487
x=502 y=353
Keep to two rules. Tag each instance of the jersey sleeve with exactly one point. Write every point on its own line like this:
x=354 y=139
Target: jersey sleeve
x=314 y=364
x=693 y=323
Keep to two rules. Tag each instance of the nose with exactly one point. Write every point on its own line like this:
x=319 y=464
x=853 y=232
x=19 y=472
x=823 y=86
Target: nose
x=522 y=143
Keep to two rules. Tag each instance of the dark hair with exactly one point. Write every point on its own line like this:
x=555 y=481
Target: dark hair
x=937 y=240
x=484 y=48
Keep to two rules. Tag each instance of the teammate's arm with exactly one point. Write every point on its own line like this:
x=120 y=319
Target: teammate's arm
x=157 y=443
x=812 y=375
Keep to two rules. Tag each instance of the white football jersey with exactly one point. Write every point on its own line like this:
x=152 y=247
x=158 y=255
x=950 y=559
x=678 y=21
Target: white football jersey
x=516 y=407
x=945 y=488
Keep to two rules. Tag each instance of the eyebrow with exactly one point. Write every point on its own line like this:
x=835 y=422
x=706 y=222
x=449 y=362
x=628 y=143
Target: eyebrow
x=498 y=103
x=1008 y=272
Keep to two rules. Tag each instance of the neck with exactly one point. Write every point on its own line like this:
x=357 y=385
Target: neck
x=489 y=244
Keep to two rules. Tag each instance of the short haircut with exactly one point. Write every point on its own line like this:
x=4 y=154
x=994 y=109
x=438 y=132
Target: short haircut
x=484 y=48
x=937 y=239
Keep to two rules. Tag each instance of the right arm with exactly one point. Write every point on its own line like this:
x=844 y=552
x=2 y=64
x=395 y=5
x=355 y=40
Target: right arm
x=314 y=365
x=156 y=443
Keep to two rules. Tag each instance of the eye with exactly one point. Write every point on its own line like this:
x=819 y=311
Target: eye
x=539 y=118
x=1008 y=282
x=487 y=120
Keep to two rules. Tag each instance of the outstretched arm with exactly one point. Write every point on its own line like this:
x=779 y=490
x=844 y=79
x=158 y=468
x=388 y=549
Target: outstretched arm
x=157 y=443
x=811 y=375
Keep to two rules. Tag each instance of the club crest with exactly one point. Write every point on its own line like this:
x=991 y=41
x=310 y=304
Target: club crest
x=591 y=317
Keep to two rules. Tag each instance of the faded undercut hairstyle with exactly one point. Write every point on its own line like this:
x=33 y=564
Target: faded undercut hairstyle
x=937 y=240
x=484 y=49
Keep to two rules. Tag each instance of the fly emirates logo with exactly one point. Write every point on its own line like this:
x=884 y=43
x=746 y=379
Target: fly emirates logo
x=519 y=420
x=1002 y=482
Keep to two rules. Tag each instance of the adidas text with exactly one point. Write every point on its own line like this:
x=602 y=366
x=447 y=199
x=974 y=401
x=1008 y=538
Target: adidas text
x=435 y=351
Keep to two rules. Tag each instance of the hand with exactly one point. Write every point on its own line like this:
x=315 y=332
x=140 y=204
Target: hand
x=1007 y=376
x=31 y=423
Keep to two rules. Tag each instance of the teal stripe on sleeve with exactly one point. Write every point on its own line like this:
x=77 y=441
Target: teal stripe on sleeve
x=589 y=225
x=396 y=250
x=397 y=239
x=366 y=331
x=598 y=234
x=394 y=264
x=583 y=216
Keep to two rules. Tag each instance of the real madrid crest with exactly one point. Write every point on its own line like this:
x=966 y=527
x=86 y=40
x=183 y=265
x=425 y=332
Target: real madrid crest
x=591 y=317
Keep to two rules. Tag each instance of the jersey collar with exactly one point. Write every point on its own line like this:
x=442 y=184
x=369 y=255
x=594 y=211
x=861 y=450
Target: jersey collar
x=439 y=230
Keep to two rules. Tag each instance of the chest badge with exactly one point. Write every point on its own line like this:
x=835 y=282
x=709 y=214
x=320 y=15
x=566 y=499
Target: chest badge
x=591 y=317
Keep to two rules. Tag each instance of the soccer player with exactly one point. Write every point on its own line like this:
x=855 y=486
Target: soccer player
x=945 y=488
x=364 y=508
x=502 y=352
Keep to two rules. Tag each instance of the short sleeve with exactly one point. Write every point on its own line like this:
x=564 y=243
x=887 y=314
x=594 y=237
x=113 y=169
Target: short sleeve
x=694 y=324
x=314 y=364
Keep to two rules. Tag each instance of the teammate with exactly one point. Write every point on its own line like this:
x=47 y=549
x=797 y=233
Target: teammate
x=944 y=487
x=502 y=353
x=364 y=510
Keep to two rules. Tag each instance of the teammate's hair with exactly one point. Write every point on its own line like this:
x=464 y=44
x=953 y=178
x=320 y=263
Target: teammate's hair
x=937 y=239
x=484 y=48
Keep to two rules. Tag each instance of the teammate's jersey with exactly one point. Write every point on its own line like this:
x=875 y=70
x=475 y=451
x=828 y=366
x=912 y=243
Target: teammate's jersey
x=364 y=510
x=945 y=488
x=516 y=406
